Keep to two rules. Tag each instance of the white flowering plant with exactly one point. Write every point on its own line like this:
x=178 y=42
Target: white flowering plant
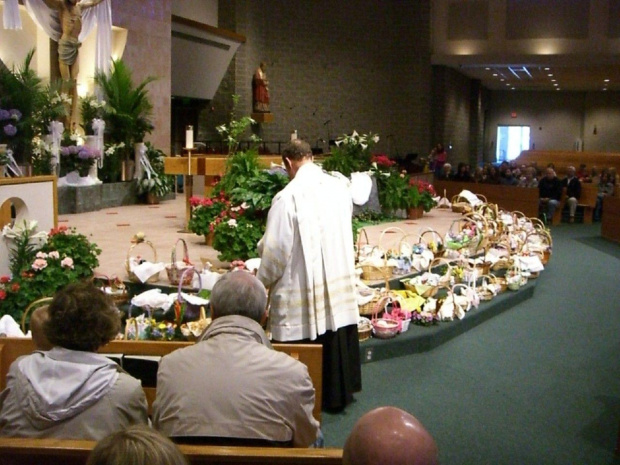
x=236 y=236
x=91 y=108
x=352 y=153
x=41 y=263
x=233 y=131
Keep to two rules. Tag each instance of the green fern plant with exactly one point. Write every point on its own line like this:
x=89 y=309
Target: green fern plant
x=128 y=111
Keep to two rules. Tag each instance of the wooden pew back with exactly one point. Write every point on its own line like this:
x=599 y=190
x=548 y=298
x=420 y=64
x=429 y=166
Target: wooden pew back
x=562 y=159
x=310 y=355
x=20 y=451
x=510 y=198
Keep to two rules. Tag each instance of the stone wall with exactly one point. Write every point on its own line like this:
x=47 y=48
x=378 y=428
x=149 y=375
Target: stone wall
x=147 y=53
x=333 y=68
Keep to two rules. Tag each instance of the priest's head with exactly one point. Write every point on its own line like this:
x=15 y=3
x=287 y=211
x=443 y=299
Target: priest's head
x=296 y=154
x=389 y=435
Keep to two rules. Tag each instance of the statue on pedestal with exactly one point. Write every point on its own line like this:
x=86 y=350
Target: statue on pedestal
x=260 y=89
x=70 y=15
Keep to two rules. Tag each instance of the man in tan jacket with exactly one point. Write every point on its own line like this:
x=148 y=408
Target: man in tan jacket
x=231 y=387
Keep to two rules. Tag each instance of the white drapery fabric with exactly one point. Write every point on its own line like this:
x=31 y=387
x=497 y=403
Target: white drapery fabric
x=48 y=20
x=10 y=17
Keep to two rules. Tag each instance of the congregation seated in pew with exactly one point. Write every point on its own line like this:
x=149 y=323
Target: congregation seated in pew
x=70 y=391
x=231 y=387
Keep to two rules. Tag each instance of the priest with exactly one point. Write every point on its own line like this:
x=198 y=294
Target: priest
x=307 y=263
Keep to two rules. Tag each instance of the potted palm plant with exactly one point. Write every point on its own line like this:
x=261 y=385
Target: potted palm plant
x=127 y=116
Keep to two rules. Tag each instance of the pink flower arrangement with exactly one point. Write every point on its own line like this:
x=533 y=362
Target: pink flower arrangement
x=39 y=264
x=67 y=262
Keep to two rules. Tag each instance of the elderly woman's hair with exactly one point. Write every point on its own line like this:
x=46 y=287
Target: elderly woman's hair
x=137 y=445
x=296 y=150
x=82 y=317
x=239 y=293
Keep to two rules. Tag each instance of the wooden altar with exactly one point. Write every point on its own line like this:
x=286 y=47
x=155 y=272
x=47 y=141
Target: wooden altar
x=205 y=165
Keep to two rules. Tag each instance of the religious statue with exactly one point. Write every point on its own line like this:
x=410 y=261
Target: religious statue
x=70 y=13
x=260 y=89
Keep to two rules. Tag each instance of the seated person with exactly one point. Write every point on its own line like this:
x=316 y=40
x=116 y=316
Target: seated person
x=550 y=193
x=462 y=173
x=508 y=179
x=529 y=178
x=231 y=387
x=605 y=188
x=582 y=174
x=70 y=391
x=445 y=173
x=137 y=445
x=573 y=191
x=389 y=435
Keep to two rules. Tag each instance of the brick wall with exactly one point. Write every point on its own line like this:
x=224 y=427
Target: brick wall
x=452 y=122
x=147 y=53
x=333 y=67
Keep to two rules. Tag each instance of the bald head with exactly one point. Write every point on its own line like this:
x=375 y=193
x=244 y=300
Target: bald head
x=389 y=435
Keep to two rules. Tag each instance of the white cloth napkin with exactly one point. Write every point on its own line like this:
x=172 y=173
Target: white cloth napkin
x=361 y=186
x=470 y=197
x=153 y=298
x=145 y=270
x=10 y=328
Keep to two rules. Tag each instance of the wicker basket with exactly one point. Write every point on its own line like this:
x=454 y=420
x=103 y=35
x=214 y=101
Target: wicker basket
x=192 y=312
x=428 y=235
x=422 y=290
x=483 y=291
x=384 y=328
x=174 y=271
x=113 y=287
x=364 y=329
x=130 y=274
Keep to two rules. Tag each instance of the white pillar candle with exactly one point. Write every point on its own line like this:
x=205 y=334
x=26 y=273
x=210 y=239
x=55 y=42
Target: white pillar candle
x=189 y=137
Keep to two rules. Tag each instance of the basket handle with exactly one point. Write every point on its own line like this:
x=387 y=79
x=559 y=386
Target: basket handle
x=32 y=306
x=185 y=253
x=149 y=243
x=188 y=270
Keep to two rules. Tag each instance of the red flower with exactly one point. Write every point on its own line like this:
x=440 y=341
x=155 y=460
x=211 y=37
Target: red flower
x=58 y=230
x=2 y=294
x=195 y=201
x=4 y=279
x=15 y=287
x=382 y=160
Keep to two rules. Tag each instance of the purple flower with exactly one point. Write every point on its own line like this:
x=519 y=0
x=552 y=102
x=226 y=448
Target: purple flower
x=4 y=114
x=87 y=153
x=69 y=150
x=15 y=114
x=10 y=130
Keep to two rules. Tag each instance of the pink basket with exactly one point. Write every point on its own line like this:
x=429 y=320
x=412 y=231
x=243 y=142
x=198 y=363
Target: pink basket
x=385 y=327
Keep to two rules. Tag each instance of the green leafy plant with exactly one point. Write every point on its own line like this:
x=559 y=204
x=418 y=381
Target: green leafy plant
x=351 y=154
x=127 y=114
x=237 y=238
x=205 y=212
x=258 y=191
x=40 y=270
x=158 y=182
x=393 y=191
x=91 y=109
x=420 y=193
x=233 y=131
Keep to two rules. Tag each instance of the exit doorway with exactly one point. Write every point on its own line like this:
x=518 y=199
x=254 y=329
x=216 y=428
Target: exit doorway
x=511 y=140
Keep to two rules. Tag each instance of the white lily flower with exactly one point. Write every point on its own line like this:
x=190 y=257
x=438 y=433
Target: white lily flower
x=364 y=146
x=355 y=134
x=375 y=139
x=245 y=205
x=338 y=142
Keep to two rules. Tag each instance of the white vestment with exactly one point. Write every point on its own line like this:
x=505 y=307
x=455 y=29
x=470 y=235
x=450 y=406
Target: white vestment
x=307 y=259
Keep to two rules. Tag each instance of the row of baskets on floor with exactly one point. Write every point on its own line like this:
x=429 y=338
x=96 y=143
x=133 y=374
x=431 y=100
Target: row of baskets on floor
x=485 y=252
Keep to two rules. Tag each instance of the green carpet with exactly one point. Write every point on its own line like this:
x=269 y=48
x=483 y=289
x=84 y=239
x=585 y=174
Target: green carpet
x=537 y=384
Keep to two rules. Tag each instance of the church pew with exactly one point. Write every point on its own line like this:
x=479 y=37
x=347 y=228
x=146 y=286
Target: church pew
x=22 y=451
x=310 y=355
x=610 y=229
x=510 y=198
x=562 y=159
